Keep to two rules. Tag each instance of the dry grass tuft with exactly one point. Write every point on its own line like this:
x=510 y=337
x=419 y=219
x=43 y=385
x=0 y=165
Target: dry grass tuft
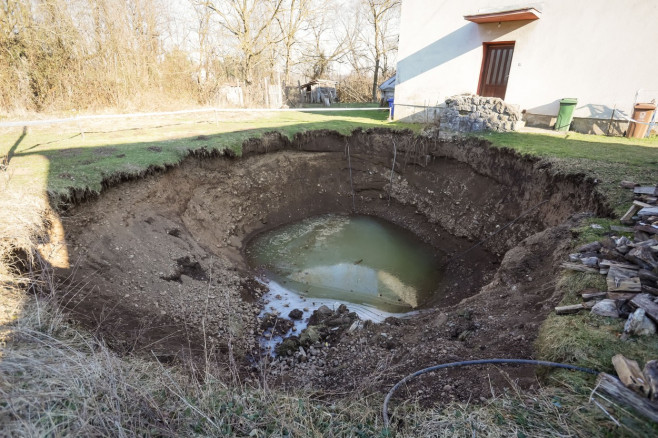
x=57 y=380
x=21 y=221
x=559 y=410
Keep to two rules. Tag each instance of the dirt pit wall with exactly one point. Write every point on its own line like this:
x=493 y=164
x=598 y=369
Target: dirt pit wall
x=157 y=263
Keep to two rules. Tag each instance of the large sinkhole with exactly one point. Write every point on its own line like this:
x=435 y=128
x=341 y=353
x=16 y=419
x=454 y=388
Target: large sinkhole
x=457 y=236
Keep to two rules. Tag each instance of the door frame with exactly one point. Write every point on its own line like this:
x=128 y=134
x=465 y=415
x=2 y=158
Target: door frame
x=485 y=47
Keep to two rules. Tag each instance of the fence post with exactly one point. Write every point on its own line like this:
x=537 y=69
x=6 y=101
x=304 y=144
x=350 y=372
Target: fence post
x=82 y=132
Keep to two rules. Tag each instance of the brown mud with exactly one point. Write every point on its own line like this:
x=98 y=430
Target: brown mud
x=157 y=263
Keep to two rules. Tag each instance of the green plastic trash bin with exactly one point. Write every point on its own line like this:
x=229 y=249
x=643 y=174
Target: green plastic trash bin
x=565 y=115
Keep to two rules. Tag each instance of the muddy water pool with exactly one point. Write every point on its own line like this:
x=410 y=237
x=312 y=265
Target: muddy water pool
x=373 y=266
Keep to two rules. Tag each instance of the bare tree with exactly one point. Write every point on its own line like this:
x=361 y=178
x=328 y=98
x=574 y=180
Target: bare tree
x=203 y=29
x=324 y=45
x=379 y=15
x=251 y=22
x=66 y=54
x=292 y=21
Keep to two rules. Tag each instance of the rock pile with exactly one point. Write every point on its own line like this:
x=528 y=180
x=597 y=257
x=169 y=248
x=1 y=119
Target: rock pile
x=324 y=326
x=310 y=350
x=471 y=113
x=311 y=360
x=630 y=267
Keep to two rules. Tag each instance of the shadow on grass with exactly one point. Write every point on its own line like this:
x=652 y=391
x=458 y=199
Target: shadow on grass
x=83 y=168
x=12 y=150
x=374 y=114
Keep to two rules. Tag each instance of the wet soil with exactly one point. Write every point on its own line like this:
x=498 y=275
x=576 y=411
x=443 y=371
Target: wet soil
x=158 y=266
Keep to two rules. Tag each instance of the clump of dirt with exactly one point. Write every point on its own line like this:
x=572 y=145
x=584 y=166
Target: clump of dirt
x=187 y=267
x=66 y=175
x=106 y=151
x=158 y=263
x=325 y=326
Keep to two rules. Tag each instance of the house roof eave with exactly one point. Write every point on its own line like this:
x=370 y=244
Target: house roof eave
x=516 y=14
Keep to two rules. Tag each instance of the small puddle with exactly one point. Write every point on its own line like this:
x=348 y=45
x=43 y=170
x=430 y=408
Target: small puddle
x=376 y=268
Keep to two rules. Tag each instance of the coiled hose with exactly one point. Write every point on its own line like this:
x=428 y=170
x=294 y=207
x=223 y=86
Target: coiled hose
x=475 y=362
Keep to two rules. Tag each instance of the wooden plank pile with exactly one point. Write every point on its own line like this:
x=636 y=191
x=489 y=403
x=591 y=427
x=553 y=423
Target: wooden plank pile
x=643 y=209
x=630 y=267
x=635 y=388
x=631 y=270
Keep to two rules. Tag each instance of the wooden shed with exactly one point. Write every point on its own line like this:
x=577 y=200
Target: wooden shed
x=319 y=91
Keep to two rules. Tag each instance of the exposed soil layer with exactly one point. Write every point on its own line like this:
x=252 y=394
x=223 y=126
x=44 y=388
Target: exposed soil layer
x=158 y=264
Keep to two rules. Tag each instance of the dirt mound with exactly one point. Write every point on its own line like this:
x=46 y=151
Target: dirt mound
x=158 y=264
x=499 y=322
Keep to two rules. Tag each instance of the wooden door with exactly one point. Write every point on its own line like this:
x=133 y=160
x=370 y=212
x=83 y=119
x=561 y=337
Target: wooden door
x=495 y=69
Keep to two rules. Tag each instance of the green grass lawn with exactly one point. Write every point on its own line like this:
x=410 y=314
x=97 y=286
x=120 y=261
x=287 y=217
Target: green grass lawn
x=608 y=159
x=55 y=159
x=343 y=105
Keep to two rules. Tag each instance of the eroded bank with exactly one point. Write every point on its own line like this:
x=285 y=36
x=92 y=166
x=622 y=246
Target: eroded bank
x=158 y=264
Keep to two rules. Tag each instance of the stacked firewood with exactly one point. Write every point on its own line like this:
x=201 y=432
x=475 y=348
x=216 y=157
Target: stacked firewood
x=629 y=264
x=634 y=387
x=631 y=269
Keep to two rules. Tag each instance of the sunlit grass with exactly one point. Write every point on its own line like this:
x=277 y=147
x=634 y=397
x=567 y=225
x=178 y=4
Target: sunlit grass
x=609 y=160
x=619 y=150
x=81 y=155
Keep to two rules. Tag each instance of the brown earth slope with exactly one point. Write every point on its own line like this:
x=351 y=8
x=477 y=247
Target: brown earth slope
x=157 y=263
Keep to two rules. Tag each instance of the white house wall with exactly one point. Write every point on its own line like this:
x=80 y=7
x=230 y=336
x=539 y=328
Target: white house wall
x=599 y=51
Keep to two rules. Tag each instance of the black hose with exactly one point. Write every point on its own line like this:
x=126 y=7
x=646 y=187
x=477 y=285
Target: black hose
x=475 y=362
